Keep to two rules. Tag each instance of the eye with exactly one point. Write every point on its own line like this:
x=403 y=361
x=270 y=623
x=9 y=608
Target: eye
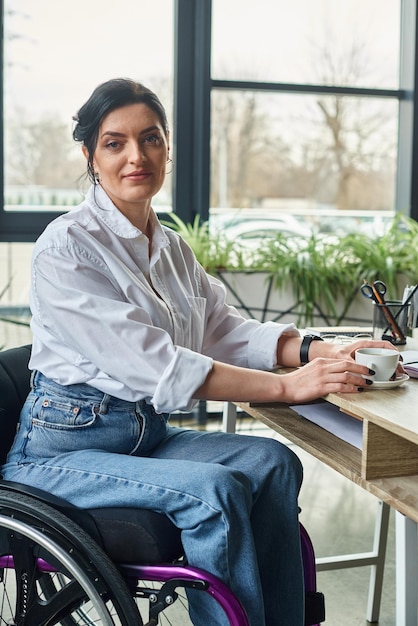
x=112 y=145
x=154 y=139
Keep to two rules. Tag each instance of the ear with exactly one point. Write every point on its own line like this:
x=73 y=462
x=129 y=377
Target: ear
x=85 y=151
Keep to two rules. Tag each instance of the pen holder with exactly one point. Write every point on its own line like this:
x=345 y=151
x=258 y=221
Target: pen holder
x=381 y=326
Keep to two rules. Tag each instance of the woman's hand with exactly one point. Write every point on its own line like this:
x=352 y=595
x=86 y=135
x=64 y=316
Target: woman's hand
x=322 y=376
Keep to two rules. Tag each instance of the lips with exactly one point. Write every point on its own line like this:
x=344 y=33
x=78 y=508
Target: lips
x=138 y=175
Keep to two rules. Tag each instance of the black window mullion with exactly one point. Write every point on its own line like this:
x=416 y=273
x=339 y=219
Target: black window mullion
x=192 y=108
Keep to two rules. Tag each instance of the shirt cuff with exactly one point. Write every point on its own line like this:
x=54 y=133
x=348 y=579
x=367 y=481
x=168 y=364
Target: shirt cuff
x=262 y=345
x=186 y=372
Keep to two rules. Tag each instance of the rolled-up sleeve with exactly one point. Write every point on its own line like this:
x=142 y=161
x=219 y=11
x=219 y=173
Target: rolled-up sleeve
x=186 y=372
x=262 y=344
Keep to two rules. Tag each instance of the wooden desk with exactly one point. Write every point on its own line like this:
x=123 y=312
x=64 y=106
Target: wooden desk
x=386 y=466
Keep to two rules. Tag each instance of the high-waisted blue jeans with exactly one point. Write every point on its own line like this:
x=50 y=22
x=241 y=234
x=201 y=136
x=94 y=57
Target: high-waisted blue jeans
x=233 y=496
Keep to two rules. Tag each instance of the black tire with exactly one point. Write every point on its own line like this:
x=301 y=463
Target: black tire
x=59 y=575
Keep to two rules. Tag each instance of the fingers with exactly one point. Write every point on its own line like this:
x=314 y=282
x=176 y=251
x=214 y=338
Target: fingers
x=340 y=376
x=370 y=343
x=348 y=382
x=338 y=366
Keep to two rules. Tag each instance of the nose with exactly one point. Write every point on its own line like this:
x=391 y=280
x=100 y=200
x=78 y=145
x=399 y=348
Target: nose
x=137 y=153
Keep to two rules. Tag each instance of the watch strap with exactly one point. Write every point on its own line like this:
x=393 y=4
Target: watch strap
x=305 y=345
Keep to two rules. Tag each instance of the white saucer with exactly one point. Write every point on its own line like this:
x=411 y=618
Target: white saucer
x=390 y=384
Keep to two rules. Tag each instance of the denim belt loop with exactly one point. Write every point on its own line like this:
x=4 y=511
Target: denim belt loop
x=104 y=404
x=32 y=379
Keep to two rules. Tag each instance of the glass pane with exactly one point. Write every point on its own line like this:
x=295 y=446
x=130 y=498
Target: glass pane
x=14 y=294
x=298 y=154
x=335 y=42
x=55 y=55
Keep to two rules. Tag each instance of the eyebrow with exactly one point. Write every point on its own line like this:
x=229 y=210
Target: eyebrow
x=113 y=133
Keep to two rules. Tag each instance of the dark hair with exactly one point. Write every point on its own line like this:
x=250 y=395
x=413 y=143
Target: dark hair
x=107 y=97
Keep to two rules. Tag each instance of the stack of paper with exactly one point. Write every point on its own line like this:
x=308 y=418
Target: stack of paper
x=329 y=417
x=410 y=362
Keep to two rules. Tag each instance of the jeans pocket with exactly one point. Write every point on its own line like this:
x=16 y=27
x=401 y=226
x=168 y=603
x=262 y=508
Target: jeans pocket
x=61 y=425
x=63 y=414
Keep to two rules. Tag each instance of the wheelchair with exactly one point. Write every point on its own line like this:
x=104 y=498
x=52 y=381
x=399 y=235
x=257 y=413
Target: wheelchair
x=64 y=565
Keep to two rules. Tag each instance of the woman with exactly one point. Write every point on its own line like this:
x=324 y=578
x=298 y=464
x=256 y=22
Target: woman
x=127 y=327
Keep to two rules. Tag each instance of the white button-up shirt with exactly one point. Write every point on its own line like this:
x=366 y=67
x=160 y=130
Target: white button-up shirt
x=134 y=323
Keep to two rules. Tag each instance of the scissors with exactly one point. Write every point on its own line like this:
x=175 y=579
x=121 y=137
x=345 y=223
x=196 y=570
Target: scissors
x=376 y=291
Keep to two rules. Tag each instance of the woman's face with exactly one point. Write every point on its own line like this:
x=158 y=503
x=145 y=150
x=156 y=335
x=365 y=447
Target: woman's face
x=131 y=156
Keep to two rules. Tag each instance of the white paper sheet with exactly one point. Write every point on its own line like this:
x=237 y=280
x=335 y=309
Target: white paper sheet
x=410 y=362
x=329 y=417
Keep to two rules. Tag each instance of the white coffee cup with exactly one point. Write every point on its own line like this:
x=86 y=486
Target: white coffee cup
x=382 y=360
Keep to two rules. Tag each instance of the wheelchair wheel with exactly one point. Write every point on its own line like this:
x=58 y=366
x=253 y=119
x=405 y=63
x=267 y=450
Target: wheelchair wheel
x=52 y=572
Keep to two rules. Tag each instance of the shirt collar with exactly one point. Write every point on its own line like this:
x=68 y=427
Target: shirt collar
x=106 y=211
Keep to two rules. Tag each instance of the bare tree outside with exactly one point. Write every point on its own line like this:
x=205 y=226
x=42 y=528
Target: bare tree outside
x=42 y=153
x=361 y=151
x=248 y=157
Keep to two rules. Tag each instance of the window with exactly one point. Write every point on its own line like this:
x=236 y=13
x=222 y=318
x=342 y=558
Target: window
x=306 y=103
x=273 y=149
x=54 y=57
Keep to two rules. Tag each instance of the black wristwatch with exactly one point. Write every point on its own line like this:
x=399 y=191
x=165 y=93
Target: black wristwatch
x=304 y=347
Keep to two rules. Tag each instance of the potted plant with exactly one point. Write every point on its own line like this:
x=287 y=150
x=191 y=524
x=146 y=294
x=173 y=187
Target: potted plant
x=308 y=278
